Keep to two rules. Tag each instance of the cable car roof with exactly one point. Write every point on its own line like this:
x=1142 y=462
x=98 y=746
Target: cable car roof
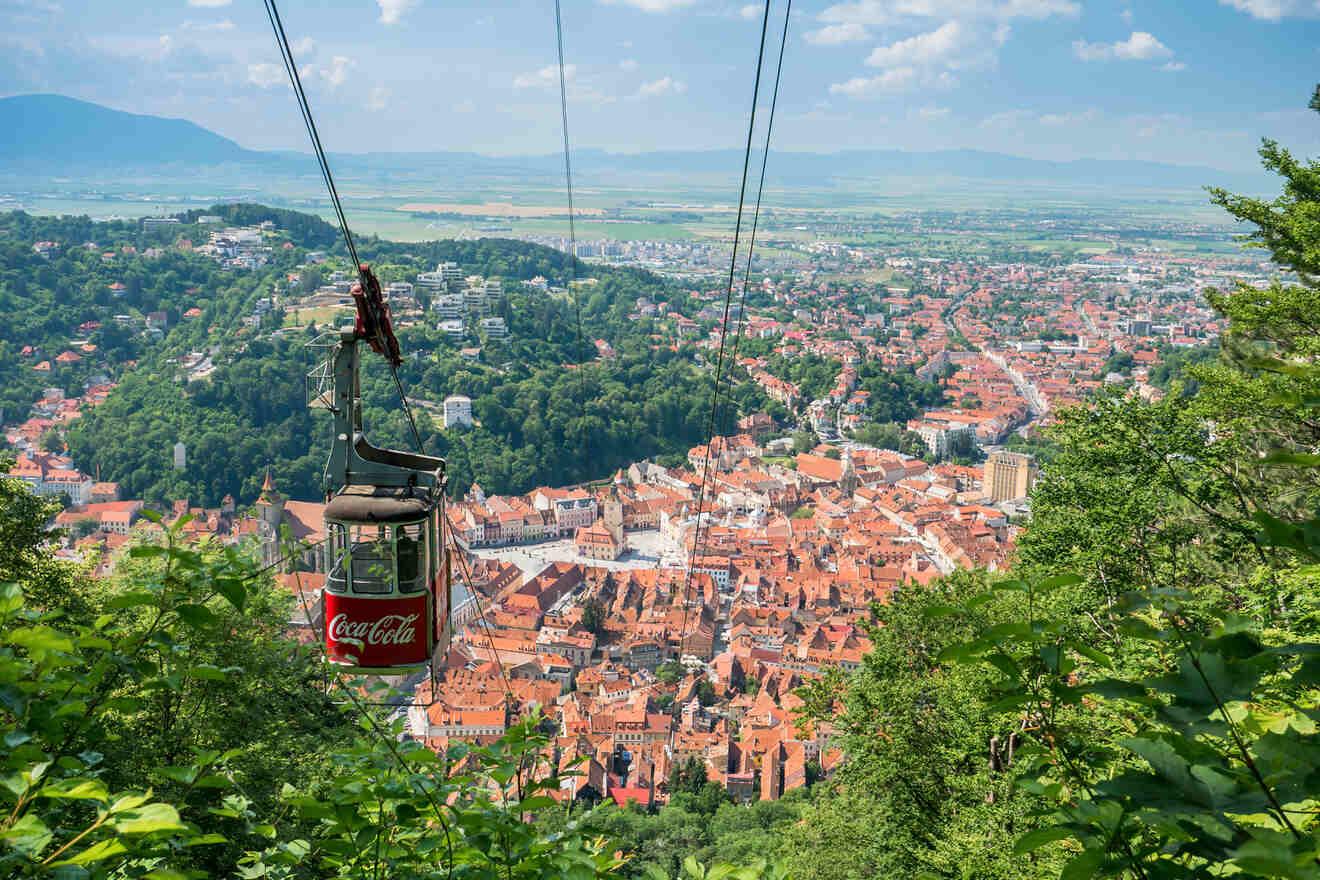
x=378 y=504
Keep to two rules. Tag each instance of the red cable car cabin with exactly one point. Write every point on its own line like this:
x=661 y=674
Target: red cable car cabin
x=383 y=589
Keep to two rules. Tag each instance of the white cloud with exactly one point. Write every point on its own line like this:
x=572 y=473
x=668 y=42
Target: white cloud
x=1141 y=46
x=652 y=5
x=305 y=46
x=208 y=4
x=751 y=11
x=1008 y=119
x=545 y=77
x=898 y=12
x=838 y=34
x=865 y=86
x=380 y=97
x=950 y=47
x=204 y=26
x=265 y=75
x=392 y=10
x=1058 y=120
x=1174 y=66
x=932 y=113
x=659 y=88
x=337 y=72
x=1274 y=10
x=923 y=49
x=628 y=64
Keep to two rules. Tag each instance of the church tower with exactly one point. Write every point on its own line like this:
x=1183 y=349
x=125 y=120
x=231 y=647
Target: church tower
x=270 y=516
x=613 y=515
x=848 y=480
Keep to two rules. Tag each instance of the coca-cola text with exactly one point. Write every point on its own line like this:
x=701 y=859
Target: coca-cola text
x=392 y=629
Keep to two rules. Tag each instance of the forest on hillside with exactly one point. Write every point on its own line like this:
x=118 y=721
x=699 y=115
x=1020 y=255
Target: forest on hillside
x=543 y=420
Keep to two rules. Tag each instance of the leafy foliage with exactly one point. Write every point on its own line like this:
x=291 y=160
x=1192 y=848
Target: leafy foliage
x=109 y=768
x=1142 y=698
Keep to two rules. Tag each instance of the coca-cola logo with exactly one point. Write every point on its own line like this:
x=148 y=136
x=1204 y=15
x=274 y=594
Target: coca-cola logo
x=392 y=629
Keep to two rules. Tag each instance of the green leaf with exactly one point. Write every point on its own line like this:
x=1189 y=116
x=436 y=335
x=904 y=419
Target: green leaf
x=132 y=599
x=129 y=802
x=1084 y=866
x=1004 y=664
x=144 y=551
x=77 y=789
x=29 y=835
x=232 y=589
x=1299 y=459
x=208 y=672
x=212 y=780
x=1097 y=657
x=197 y=615
x=1058 y=581
x=1034 y=840
x=933 y=611
x=182 y=775
x=149 y=819
x=536 y=803
x=97 y=852
x=41 y=639
x=959 y=653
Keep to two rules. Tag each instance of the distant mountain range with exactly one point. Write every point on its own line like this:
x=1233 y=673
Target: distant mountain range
x=53 y=134
x=53 y=129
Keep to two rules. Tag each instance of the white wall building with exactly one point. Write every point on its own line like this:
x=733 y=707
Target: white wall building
x=458 y=410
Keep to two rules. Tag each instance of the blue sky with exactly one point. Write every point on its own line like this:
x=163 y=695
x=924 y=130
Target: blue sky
x=1195 y=82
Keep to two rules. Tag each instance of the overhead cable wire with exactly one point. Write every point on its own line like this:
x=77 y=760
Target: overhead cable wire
x=323 y=162
x=572 y=222
x=407 y=410
x=756 y=212
x=476 y=598
x=728 y=299
x=291 y=67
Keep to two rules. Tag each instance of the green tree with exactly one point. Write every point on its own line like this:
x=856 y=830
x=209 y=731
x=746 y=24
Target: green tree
x=594 y=615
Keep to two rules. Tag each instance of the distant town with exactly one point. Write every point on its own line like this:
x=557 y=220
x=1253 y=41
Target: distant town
x=659 y=613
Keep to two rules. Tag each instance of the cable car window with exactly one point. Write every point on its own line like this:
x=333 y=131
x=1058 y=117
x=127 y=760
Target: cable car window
x=372 y=555
x=410 y=551
x=336 y=579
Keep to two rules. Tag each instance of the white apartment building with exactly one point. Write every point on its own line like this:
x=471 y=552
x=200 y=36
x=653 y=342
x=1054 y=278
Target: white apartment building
x=494 y=327
x=474 y=300
x=453 y=328
x=448 y=306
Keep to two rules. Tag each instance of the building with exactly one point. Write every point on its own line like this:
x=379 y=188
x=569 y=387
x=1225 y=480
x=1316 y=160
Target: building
x=1009 y=475
x=597 y=542
x=458 y=411
x=494 y=327
x=943 y=439
x=432 y=283
x=448 y=306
